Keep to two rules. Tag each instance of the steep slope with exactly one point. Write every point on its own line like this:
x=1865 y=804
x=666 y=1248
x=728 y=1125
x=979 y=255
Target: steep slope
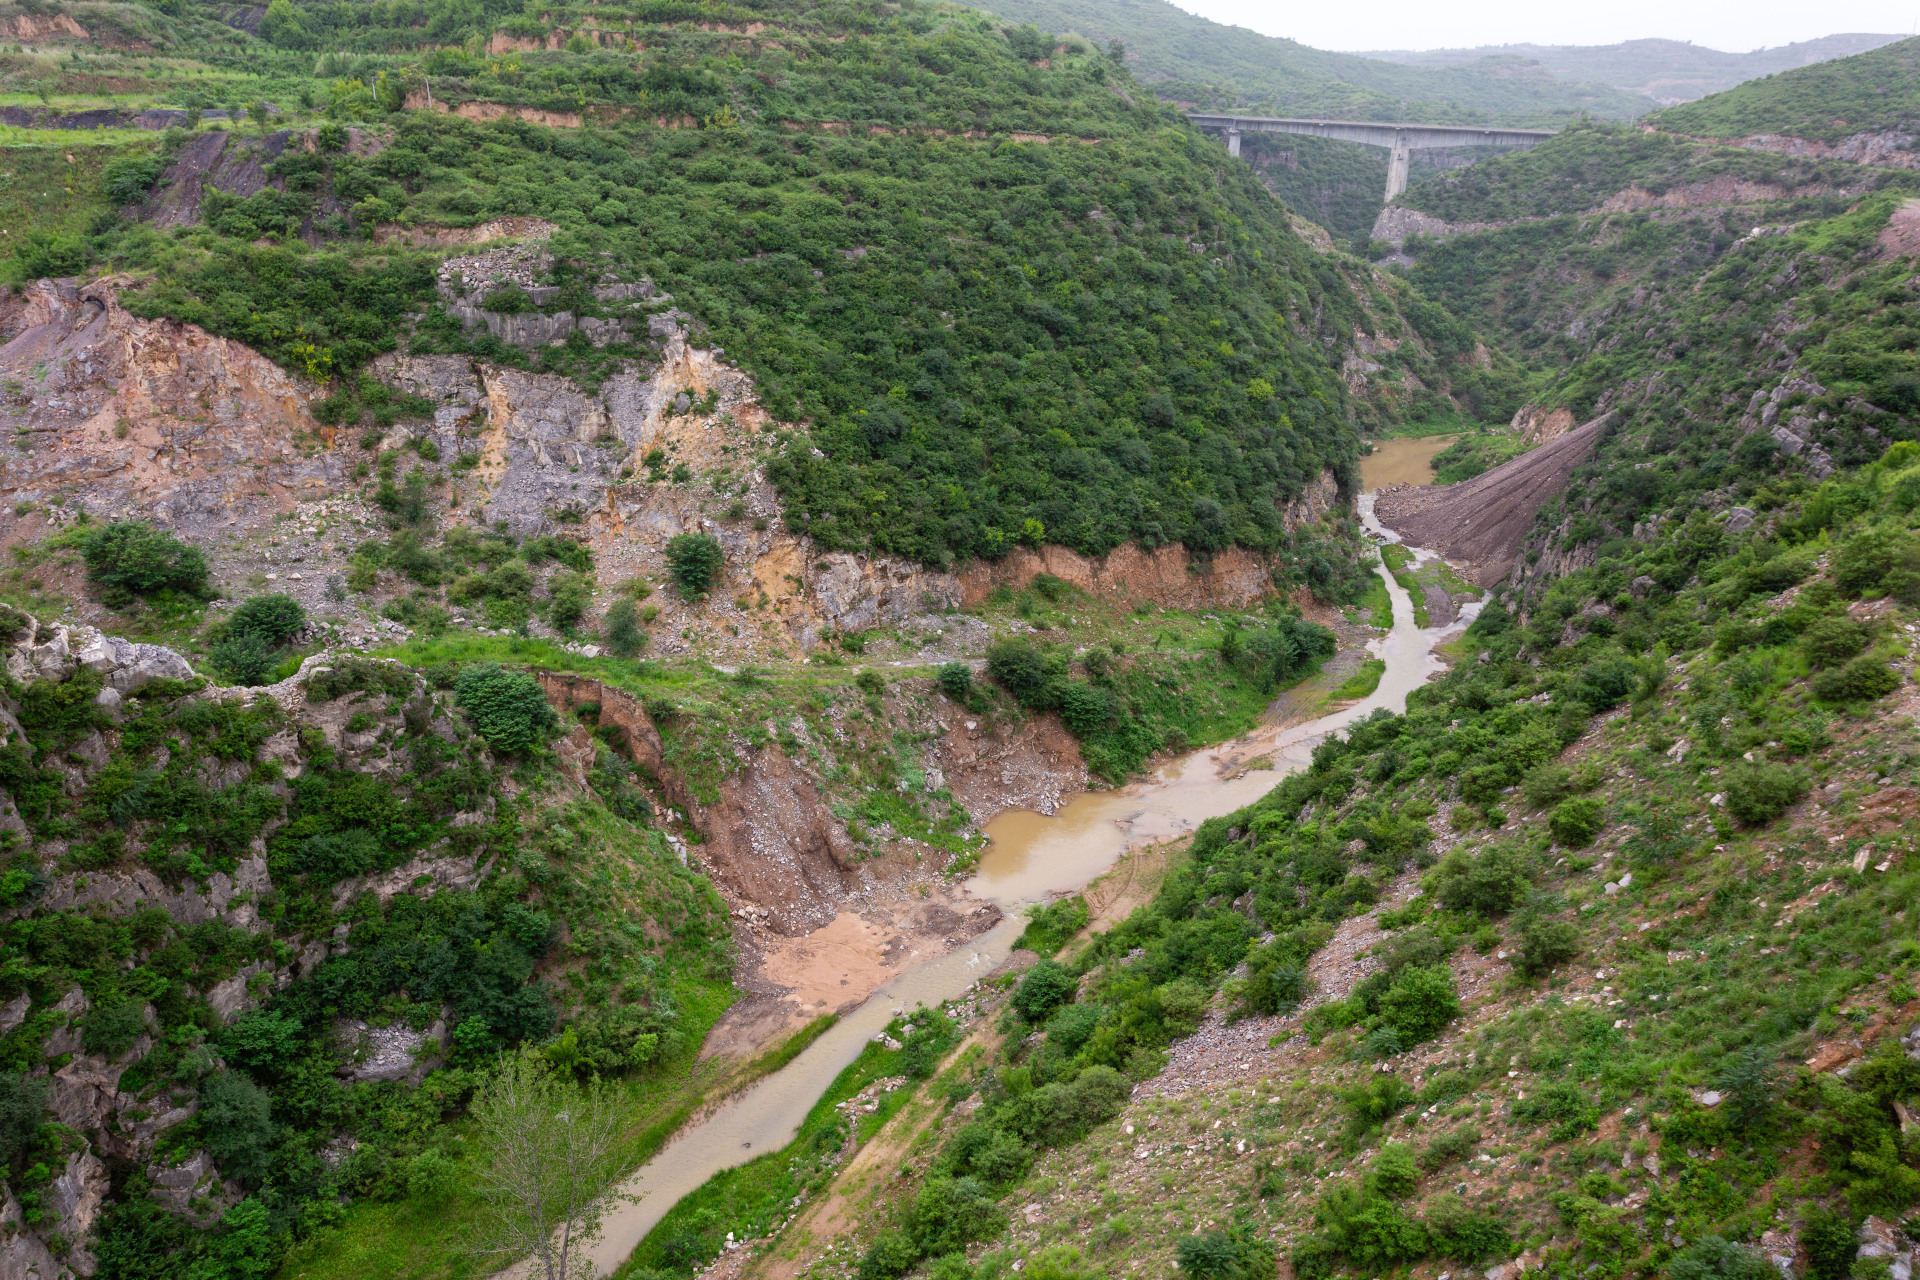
x=1859 y=108
x=1667 y=71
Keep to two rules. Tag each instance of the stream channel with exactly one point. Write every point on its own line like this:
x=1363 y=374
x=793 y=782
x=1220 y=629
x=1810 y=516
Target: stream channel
x=1033 y=857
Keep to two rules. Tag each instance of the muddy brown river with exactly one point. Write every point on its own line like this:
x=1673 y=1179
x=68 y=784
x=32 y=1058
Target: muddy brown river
x=1402 y=460
x=1032 y=857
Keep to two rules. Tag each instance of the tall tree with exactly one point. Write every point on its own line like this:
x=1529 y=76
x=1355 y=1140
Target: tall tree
x=547 y=1167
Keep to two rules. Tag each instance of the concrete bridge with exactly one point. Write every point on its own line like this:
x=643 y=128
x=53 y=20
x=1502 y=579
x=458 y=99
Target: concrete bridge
x=1399 y=139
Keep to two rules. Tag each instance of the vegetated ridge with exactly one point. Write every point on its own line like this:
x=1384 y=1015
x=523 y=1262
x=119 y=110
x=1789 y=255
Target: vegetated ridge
x=1667 y=71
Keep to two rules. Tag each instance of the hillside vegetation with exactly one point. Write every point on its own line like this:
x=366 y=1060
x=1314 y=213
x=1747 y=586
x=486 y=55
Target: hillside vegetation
x=1866 y=93
x=992 y=339
x=1188 y=58
x=1666 y=71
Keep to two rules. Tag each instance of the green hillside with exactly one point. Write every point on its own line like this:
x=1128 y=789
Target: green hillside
x=1190 y=59
x=1588 y=162
x=1111 y=336
x=1867 y=93
x=1664 y=70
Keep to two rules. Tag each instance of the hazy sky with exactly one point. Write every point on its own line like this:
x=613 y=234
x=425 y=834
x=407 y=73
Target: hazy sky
x=1402 y=24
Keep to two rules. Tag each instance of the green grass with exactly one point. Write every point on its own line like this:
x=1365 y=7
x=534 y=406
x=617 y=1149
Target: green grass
x=1377 y=604
x=792 y=1047
x=1399 y=562
x=1360 y=683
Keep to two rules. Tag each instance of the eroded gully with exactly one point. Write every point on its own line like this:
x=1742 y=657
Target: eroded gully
x=1032 y=857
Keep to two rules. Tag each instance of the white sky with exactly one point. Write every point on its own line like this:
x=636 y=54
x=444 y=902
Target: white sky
x=1403 y=24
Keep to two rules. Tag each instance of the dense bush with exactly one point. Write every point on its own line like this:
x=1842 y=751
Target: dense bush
x=1544 y=944
x=131 y=558
x=1759 y=793
x=955 y=680
x=507 y=708
x=246 y=648
x=1863 y=679
x=1046 y=987
x=1491 y=882
x=1575 y=823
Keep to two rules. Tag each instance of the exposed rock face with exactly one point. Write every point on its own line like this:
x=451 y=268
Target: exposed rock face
x=1537 y=425
x=165 y=422
x=151 y=418
x=1397 y=222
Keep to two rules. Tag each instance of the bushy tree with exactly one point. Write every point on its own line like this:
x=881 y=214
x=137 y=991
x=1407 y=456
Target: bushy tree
x=1420 y=1001
x=1576 y=822
x=23 y=1104
x=1490 y=882
x=695 y=561
x=505 y=707
x=1022 y=670
x=955 y=680
x=623 y=632
x=132 y=558
x=1545 y=943
x=1759 y=793
x=1046 y=987
x=236 y=1126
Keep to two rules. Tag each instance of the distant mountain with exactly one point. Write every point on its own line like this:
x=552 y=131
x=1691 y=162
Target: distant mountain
x=1845 y=104
x=1668 y=71
x=1193 y=61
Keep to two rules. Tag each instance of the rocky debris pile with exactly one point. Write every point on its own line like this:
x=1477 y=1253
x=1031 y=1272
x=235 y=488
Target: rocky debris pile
x=503 y=289
x=56 y=651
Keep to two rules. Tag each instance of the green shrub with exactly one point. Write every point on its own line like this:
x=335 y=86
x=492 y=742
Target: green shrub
x=276 y=619
x=1086 y=708
x=1547 y=785
x=127 y=179
x=1051 y=927
x=110 y=1030
x=1022 y=670
x=1463 y=1235
x=955 y=680
x=1575 y=823
x=891 y=1255
x=1833 y=639
x=1829 y=1239
x=1713 y=1258
x=1394 y=1172
x=623 y=632
x=1562 y=1105
x=871 y=681
x=695 y=561
x=1046 y=987
x=132 y=558
x=354 y=675
x=1455 y=1144
x=1545 y=943
x=1223 y=1255
x=1419 y=1003
x=569 y=595
x=1759 y=793
x=505 y=707
x=951 y=1213
x=1861 y=680
x=236 y=1125
x=1489 y=883
x=23 y=1103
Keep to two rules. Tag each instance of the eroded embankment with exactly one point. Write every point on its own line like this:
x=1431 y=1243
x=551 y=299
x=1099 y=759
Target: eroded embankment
x=1480 y=523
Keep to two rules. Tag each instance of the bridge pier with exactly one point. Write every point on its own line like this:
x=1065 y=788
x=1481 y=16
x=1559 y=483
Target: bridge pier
x=1399 y=163
x=1233 y=143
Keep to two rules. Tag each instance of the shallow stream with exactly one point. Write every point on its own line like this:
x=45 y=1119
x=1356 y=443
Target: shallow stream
x=1032 y=857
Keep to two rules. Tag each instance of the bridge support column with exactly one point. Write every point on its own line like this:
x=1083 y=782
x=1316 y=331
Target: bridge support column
x=1397 y=166
x=1233 y=142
